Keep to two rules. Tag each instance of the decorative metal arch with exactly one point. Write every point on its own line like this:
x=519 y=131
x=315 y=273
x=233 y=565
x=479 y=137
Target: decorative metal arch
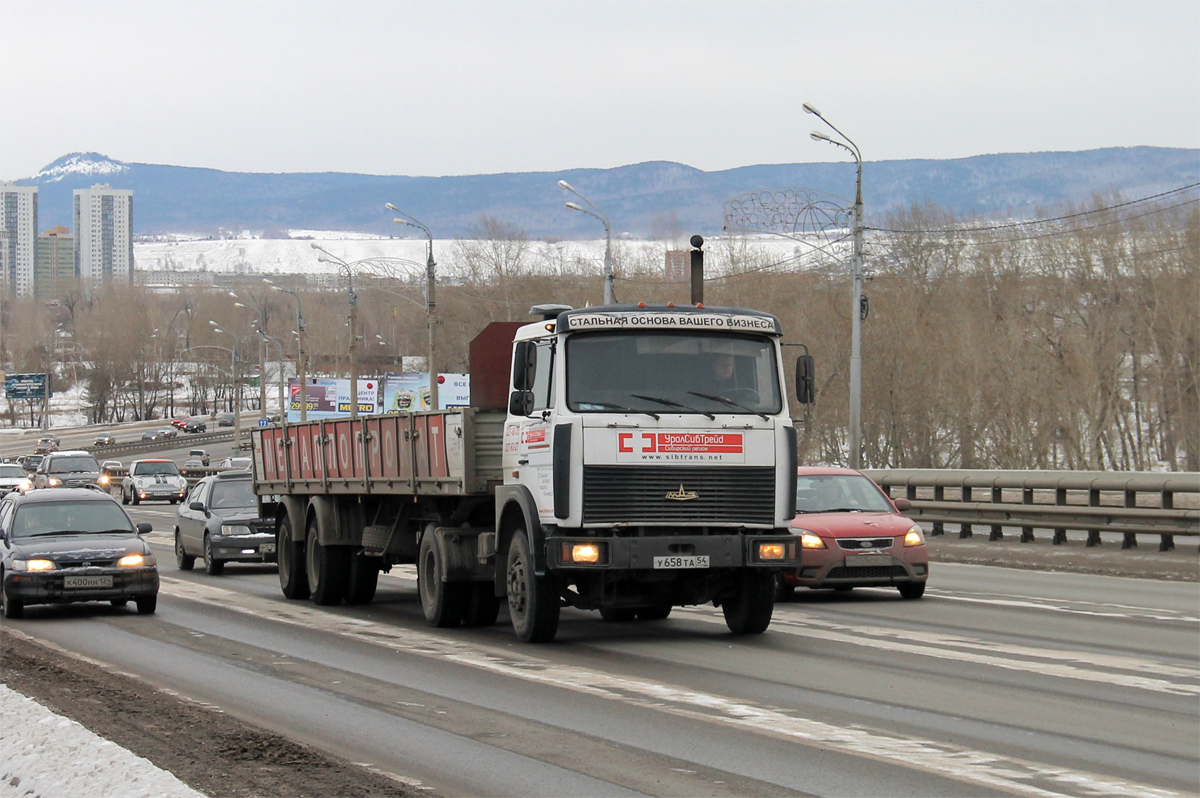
x=799 y=213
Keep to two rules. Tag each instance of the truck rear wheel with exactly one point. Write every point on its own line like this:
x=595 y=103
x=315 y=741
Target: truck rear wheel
x=656 y=612
x=483 y=606
x=328 y=568
x=617 y=614
x=748 y=611
x=364 y=578
x=532 y=601
x=443 y=603
x=293 y=579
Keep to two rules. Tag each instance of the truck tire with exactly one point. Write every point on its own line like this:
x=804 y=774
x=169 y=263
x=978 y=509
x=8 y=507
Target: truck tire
x=364 y=578
x=483 y=605
x=293 y=579
x=656 y=612
x=328 y=568
x=617 y=614
x=532 y=601
x=748 y=611
x=443 y=603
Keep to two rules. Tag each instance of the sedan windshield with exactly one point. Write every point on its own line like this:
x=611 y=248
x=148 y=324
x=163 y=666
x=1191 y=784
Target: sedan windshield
x=839 y=493
x=11 y=472
x=51 y=518
x=71 y=465
x=666 y=372
x=162 y=467
x=237 y=494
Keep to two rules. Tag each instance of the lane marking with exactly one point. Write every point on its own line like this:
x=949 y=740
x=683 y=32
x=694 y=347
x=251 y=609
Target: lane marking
x=978 y=767
x=1051 y=605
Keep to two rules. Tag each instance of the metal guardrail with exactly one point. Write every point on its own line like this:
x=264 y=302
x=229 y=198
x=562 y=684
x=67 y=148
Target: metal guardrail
x=188 y=439
x=1129 y=503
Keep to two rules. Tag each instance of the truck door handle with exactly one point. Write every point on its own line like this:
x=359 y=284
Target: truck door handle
x=523 y=462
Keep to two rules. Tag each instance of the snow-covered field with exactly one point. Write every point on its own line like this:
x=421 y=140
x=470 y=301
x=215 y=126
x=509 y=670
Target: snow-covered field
x=44 y=755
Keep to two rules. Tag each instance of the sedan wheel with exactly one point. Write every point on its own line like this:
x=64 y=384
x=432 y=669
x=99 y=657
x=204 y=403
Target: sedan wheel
x=212 y=565
x=184 y=560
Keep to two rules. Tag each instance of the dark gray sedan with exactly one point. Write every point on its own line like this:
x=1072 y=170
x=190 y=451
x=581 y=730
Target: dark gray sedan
x=63 y=545
x=220 y=523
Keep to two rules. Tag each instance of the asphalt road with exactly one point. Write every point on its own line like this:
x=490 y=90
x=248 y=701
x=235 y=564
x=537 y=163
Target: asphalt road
x=998 y=682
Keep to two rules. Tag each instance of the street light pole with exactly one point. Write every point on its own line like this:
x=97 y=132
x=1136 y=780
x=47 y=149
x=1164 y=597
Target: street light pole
x=856 y=265
x=262 y=355
x=347 y=270
x=300 y=354
x=237 y=387
x=430 y=303
x=597 y=213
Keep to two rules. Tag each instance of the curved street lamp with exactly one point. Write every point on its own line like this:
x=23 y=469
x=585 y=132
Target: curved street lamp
x=593 y=211
x=300 y=358
x=430 y=301
x=237 y=384
x=856 y=265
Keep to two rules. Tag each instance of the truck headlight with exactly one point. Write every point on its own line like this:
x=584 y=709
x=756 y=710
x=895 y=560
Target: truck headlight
x=771 y=551
x=914 y=536
x=584 y=553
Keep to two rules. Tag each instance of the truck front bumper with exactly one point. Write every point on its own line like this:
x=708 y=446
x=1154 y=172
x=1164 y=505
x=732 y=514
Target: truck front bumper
x=673 y=552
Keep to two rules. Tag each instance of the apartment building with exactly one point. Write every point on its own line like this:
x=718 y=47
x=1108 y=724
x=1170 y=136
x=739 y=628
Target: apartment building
x=54 y=270
x=103 y=234
x=18 y=237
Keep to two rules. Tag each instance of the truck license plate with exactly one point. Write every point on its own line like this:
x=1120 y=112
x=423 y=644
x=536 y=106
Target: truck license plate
x=681 y=562
x=267 y=548
x=86 y=581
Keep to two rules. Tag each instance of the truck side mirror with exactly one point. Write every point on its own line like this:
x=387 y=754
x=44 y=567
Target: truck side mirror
x=520 y=403
x=524 y=365
x=805 y=380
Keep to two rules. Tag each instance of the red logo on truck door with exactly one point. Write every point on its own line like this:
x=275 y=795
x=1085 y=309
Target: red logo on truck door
x=681 y=446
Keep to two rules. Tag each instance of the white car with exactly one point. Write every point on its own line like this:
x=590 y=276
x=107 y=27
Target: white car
x=153 y=480
x=13 y=477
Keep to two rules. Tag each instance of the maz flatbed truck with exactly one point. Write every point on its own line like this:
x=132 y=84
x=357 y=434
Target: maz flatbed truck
x=623 y=458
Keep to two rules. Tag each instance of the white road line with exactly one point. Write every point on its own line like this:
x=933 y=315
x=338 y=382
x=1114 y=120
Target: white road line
x=1073 y=607
x=976 y=767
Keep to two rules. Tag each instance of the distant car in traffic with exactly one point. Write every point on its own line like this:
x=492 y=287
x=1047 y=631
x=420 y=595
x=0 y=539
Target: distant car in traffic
x=234 y=462
x=179 y=421
x=70 y=469
x=46 y=444
x=199 y=454
x=853 y=535
x=104 y=439
x=220 y=523
x=225 y=420
x=195 y=425
x=153 y=480
x=167 y=432
x=13 y=477
x=65 y=545
x=31 y=462
x=150 y=435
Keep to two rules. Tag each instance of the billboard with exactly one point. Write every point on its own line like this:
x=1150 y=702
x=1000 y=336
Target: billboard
x=26 y=386
x=406 y=391
x=330 y=397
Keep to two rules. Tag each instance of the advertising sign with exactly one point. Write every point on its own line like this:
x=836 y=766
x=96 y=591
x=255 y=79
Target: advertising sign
x=403 y=392
x=680 y=446
x=330 y=397
x=25 y=386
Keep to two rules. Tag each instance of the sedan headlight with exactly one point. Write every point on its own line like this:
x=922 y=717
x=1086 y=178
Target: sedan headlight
x=810 y=540
x=914 y=536
x=103 y=480
x=236 y=529
x=53 y=482
x=24 y=485
x=136 y=560
x=33 y=565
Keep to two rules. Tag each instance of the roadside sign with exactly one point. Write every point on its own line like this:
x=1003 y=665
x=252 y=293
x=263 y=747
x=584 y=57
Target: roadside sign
x=262 y=422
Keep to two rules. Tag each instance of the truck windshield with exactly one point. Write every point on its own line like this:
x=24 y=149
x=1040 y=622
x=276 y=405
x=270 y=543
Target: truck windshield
x=669 y=372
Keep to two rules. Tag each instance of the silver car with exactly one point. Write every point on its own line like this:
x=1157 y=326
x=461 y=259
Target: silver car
x=153 y=480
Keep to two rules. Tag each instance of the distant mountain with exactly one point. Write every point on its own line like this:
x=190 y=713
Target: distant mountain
x=655 y=198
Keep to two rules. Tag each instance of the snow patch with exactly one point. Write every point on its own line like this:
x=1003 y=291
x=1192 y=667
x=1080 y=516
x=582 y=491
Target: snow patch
x=79 y=163
x=44 y=755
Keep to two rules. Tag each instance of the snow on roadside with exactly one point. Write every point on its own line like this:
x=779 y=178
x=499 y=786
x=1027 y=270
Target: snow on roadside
x=44 y=755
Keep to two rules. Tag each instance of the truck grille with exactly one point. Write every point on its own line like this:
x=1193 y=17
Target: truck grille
x=638 y=494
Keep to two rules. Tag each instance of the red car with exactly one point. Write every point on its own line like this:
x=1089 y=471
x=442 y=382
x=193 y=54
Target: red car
x=852 y=535
x=180 y=422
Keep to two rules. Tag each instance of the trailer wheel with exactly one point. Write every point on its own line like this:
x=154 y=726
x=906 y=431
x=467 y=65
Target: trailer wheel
x=443 y=603
x=364 y=578
x=748 y=611
x=532 y=601
x=327 y=566
x=293 y=580
x=483 y=605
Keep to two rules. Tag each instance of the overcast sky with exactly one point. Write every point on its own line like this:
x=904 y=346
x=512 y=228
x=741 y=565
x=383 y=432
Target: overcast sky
x=452 y=88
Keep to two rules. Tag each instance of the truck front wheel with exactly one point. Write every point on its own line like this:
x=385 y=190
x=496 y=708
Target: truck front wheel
x=442 y=602
x=748 y=611
x=532 y=601
x=328 y=568
x=288 y=553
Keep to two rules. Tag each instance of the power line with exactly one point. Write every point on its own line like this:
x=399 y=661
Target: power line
x=1011 y=225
